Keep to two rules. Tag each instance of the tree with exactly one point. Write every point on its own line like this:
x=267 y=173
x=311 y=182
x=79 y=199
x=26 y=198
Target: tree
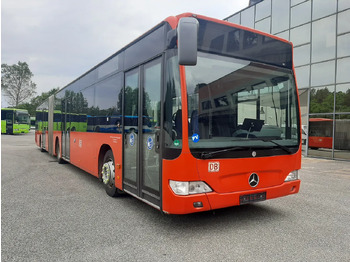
x=36 y=101
x=16 y=83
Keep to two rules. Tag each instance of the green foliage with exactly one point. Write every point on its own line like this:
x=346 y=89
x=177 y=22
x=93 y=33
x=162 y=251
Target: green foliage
x=322 y=101
x=36 y=101
x=16 y=83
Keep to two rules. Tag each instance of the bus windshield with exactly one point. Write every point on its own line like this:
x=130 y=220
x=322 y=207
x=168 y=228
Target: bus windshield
x=22 y=117
x=239 y=104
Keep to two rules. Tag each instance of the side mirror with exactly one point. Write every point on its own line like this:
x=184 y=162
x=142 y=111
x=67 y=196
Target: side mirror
x=187 y=35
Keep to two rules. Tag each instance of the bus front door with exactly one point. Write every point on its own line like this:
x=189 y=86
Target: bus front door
x=9 y=122
x=142 y=133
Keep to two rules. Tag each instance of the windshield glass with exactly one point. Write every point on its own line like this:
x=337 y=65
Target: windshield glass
x=235 y=103
x=22 y=117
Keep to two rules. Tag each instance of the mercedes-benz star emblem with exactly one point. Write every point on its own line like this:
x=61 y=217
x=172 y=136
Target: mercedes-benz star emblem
x=253 y=180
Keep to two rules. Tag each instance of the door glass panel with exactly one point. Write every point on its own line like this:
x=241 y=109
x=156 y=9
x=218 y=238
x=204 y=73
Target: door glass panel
x=151 y=125
x=131 y=125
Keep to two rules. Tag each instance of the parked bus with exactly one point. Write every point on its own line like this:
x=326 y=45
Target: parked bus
x=320 y=133
x=215 y=117
x=14 y=121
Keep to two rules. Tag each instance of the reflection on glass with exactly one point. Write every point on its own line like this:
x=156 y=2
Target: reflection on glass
x=172 y=111
x=323 y=73
x=239 y=104
x=300 y=35
x=303 y=76
x=341 y=137
x=343 y=45
x=300 y=14
x=236 y=19
x=343 y=4
x=323 y=39
x=263 y=25
x=302 y=55
x=106 y=117
x=295 y=2
x=304 y=101
x=131 y=125
x=343 y=70
x=247 y=17
x=342 y=102
x=263 y=9
x=151 y=125
x=343 y=22
x=284 y=35
x=321 y=8
x=322 y=100
x=320 y=135
x=280 y=16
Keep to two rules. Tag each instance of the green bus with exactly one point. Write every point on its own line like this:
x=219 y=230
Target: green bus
x=14 y=121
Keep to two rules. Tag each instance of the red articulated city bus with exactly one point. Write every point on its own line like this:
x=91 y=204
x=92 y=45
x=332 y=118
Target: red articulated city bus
x=196 y=114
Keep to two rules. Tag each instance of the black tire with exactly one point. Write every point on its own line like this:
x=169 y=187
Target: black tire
x=58 y=154
x=108 y=175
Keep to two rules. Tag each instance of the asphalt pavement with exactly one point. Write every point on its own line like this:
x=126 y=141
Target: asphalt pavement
x=52 y=212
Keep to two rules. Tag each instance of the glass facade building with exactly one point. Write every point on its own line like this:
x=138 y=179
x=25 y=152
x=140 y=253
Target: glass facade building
x=320 y=33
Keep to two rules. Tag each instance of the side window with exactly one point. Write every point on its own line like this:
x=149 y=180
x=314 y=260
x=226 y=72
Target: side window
x=89 y=107
x=131 y=101
x=172 y=111
x=108 y=105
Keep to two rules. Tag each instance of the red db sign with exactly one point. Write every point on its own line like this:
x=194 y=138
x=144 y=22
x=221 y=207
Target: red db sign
x=213 y=166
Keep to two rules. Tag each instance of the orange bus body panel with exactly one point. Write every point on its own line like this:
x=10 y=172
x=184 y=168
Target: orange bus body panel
x=85 y=148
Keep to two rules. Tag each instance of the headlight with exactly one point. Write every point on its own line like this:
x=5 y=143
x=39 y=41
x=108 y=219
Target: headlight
x=189 y=188
x=292 y=176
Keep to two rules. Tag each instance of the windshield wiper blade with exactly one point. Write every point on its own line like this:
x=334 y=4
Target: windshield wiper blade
x=207 y=155
x=288 y=150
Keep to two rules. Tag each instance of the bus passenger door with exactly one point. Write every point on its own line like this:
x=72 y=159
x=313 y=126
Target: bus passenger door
x=142 y=132
x=9 y=121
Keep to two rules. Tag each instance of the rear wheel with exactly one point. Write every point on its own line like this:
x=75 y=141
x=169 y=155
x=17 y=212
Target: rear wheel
x=108 y=175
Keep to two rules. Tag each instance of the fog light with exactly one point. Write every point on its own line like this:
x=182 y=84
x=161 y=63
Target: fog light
x=197 y=204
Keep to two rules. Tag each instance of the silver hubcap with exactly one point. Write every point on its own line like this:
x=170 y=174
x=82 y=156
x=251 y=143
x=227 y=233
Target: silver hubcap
x=108 y=172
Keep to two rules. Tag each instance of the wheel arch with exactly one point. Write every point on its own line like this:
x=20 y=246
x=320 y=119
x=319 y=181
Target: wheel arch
x=103 y=150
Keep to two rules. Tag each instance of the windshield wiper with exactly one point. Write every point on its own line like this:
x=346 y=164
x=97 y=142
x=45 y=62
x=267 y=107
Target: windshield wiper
x=288 y=150
x=207 y=155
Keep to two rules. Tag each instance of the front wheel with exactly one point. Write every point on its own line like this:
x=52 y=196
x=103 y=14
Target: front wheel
x=108 y=175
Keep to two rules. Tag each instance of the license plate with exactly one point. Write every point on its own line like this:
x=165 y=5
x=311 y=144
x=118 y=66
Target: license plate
x=245 y=199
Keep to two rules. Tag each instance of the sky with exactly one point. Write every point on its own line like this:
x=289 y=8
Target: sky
x=62 y=39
